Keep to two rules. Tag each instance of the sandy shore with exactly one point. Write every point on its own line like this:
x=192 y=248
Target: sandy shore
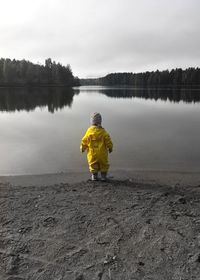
x=138 y=225
x=142 y=176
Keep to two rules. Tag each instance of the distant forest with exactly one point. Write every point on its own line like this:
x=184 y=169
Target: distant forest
x=23 y=72
x=175 y=77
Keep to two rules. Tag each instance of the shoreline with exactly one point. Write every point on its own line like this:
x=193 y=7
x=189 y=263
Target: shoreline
x=169 y=178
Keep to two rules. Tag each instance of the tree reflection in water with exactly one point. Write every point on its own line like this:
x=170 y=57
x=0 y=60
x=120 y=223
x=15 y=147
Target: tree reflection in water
x=17 y=99
x=55 y=98
x=166 y=94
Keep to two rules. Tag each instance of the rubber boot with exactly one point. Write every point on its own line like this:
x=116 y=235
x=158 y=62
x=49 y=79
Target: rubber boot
x=94 y=177
x=103 y=176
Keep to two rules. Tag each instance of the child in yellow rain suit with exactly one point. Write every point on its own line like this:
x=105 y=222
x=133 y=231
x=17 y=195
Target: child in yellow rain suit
x=98 y=143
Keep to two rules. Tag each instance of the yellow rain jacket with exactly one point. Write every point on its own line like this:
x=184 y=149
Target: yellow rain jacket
x=97 y=142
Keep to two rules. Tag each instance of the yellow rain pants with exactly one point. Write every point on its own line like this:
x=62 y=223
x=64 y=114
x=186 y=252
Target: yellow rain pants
x=97 y=142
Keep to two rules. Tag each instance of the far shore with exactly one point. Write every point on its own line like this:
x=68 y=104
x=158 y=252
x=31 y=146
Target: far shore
x=167 y=87
x=33 y=85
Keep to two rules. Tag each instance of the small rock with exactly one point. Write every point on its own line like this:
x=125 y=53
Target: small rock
x=109 y=259
x=182 y=200
x=24 y=230
x=141 y=263
x=166 y=194
x=48 y=222
x=80 y=277
x=194 y=258
x=148 y=221
x=198 y=258
x=99 y=275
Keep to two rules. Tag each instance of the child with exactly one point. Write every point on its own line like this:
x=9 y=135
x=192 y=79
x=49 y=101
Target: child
x=97 y=142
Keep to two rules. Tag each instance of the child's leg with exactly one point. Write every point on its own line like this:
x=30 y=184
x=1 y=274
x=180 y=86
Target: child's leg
x=103 y=176
x=94 y=168
x=104 y=170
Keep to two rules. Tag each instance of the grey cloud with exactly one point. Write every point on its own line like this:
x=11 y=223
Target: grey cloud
x=98 y=37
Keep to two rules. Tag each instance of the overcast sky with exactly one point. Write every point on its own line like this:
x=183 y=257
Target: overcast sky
x=97 y=37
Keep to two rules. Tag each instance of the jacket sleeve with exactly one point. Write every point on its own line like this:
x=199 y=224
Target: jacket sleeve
x=84 y=142
x=108 y=142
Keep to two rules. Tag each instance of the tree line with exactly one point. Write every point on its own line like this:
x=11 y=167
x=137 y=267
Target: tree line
x=23 y=72
x=175 y=77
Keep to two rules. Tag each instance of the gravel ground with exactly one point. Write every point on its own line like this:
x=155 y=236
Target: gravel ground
x=121 y=229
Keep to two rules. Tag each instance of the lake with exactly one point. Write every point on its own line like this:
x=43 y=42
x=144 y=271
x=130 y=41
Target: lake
x=152 y=129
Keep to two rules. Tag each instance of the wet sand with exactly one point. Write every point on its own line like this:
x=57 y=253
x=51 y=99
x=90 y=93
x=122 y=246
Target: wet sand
x=138 y=225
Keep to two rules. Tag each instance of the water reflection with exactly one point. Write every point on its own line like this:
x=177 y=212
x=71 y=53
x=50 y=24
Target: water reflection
x=167 y=94
x=147 y=134
x=17 y=99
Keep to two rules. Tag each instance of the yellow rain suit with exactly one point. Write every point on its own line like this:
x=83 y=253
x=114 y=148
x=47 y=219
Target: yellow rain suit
x=97 y=142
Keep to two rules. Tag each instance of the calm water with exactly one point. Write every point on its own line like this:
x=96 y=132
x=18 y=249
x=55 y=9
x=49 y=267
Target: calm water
x=41 y=129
